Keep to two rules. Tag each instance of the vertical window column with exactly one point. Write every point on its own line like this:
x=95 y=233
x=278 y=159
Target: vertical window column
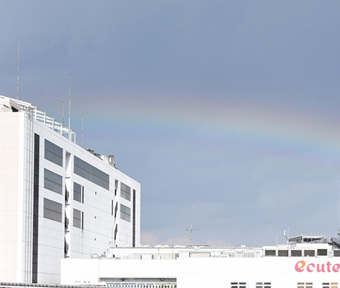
x=35 y=209
x=134 y=218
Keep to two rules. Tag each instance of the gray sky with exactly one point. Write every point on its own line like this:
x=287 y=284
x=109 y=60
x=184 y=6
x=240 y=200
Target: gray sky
x=225 y=111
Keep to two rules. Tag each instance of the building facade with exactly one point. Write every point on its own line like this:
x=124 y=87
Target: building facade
x=300 y=264
x=57 y=200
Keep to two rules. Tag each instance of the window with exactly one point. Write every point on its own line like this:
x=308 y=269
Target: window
x=310 y=253
x=238 y=284
x=53 y=181
x=270 y=252
x=78 y=192
x=283 y=253
x=304 y=285
x=125 y=213
x=263 y=284
x=53 y=153
x=125 y=191
x=52 y=210
x=322 y=252
x=296 y=253
x=91 y=173
x=78 y=219
x=330 y=285
x=134 y=218
x=336 y=253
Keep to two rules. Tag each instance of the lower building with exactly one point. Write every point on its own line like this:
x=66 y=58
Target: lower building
x=305 y=262
x=57 y=200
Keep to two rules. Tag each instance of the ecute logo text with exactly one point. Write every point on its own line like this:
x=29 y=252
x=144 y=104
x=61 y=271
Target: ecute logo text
x=311 y=267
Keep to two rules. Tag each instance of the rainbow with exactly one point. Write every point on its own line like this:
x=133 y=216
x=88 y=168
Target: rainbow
x=265 y=129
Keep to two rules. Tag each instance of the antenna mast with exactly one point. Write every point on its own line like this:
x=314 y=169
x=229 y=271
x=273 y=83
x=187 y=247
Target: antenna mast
x=82 y=131
x=339 y=212
x=63 y=112
x=18 y=75
x=69 y=107
x=191 y=230
x=286 y=234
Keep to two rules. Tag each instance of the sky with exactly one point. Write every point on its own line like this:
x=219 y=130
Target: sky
x=226 y=112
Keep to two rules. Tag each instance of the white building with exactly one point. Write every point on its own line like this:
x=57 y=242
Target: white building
x=306 y=262
x=57 y=200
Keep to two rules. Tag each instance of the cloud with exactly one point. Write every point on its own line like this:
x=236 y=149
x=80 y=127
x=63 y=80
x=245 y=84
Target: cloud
x=148 y=238
x=199 y=101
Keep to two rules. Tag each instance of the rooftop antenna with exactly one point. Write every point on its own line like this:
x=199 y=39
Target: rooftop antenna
x=82 y=131
x=63 y=112
x=339 y=212
x=286 y=234
x=69 y=107
x=18 y=75
x=191 y=230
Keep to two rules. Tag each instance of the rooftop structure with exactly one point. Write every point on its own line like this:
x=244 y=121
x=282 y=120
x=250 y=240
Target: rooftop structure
x=302 y=265
x=12 y=105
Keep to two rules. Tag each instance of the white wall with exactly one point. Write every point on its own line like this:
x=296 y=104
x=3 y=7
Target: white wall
x=16 y=204
x=201 y=272
x=9 y=196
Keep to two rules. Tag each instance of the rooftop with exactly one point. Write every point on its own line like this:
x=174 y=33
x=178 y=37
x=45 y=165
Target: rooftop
x=40 y=116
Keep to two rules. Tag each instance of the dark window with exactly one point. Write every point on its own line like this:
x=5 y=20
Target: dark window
x=125 y=213
x=77 y=192
x=264 y=284
x=304 y=285
x=35 y=209
x=91 y=173
x=270 y=253
x=336 y=253
x=125 y=191
x=330 y=285
x=310 y=253
x=134 y=218
x=283 y=253
x=53 y=153
x=52 y=210
x=296 y=253
x=78 y=217
x=53 y=181
x=238 y=285
x=322 y=252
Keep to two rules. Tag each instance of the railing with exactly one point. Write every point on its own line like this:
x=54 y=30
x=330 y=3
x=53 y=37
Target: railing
x=44 y=118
